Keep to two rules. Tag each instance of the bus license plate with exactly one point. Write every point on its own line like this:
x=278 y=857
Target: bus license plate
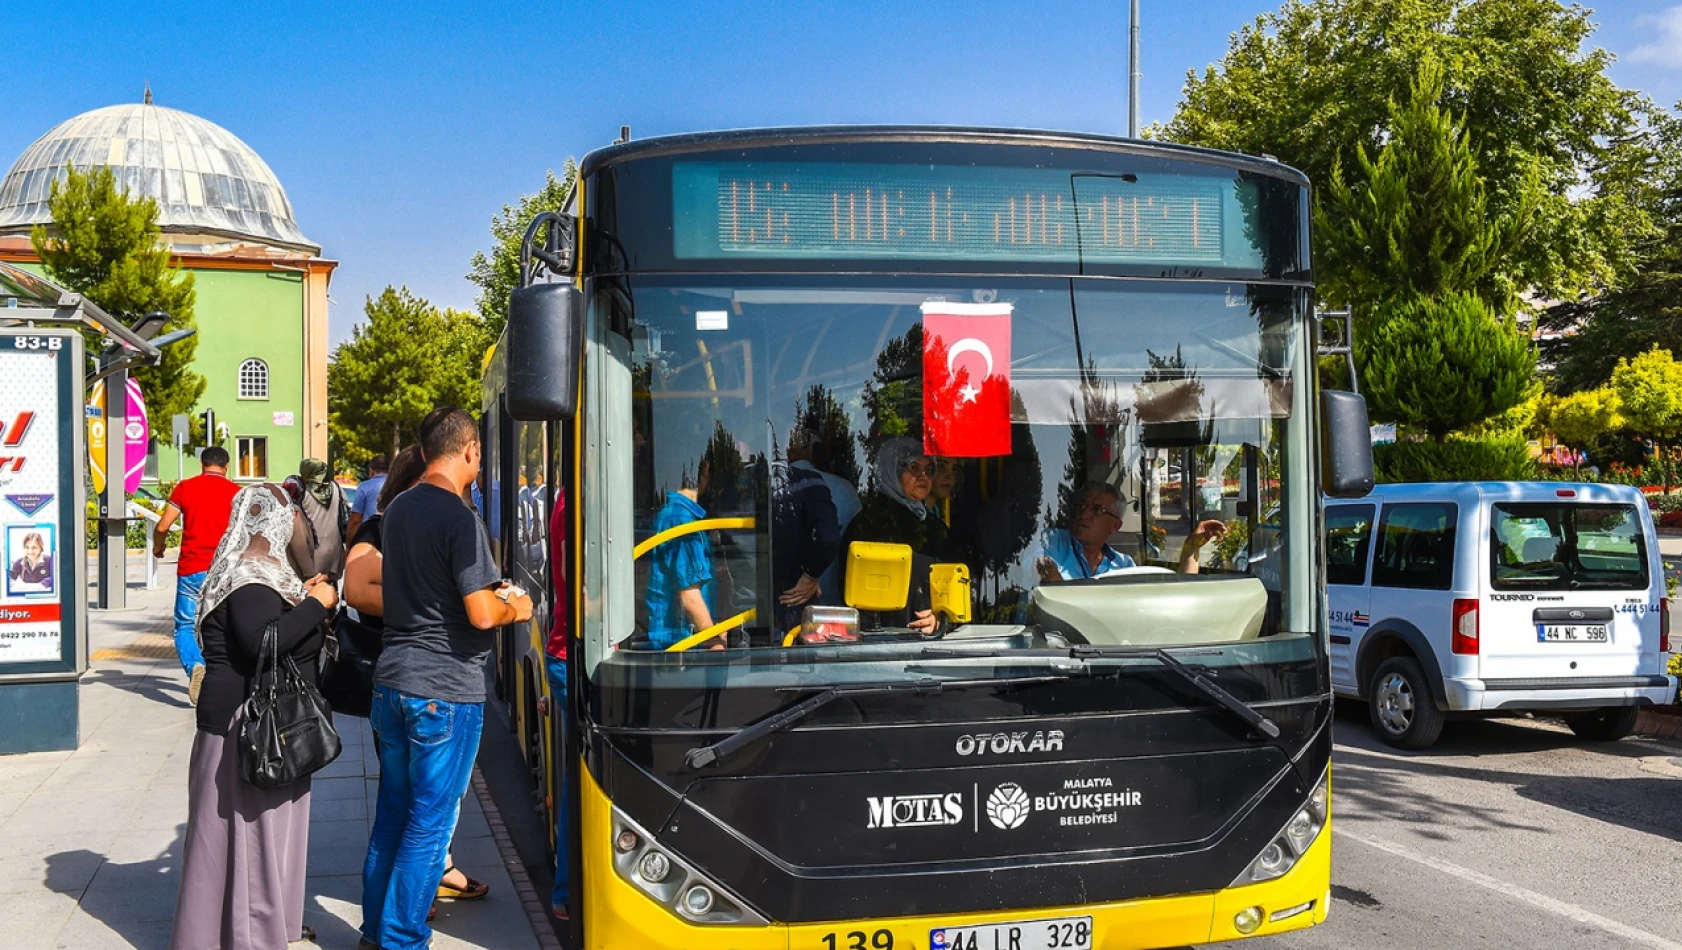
x=1061 y=933
x=1571 y=633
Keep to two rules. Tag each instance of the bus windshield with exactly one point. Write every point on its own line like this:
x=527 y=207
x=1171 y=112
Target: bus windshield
x=810 y=477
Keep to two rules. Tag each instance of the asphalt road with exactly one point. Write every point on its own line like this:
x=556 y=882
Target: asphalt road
x=1508 y=834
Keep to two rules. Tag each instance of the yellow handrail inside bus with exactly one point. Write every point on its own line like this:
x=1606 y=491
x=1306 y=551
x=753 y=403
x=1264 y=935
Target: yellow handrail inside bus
x=705 y=524
x=788 y=641
x=712 y=631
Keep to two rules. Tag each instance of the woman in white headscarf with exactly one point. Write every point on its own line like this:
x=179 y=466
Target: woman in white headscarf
x=897 y=512
x=242 y=874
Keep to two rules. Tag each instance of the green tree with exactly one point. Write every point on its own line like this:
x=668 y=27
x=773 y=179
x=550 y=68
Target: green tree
x=407 y=359
x=1313 y=80
x=498 y=273
x=1581 y=418
x=1415 y=221
x=1649 y=391
x=106 y=246
x=1642 y=311
x=1442 y=365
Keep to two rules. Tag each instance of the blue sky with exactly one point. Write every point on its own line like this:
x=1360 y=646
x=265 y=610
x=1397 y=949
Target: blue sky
x=399 y=130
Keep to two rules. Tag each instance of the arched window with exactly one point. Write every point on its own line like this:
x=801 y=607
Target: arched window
x=253 y=379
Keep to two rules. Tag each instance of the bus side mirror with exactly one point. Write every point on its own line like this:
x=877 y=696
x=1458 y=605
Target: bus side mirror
x=1345 y=445
x=545 y=343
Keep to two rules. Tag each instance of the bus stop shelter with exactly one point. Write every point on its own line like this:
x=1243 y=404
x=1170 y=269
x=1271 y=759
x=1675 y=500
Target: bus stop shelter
x=44 y=375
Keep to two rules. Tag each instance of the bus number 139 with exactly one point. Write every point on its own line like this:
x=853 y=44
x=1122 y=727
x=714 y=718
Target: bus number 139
x=880 y=940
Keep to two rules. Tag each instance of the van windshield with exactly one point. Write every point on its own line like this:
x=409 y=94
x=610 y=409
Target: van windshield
x=1568 y=547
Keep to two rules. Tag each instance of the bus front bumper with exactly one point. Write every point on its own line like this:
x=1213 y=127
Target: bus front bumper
x=619 y=915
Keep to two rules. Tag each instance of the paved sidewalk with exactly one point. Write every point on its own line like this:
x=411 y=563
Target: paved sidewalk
x=90 y=840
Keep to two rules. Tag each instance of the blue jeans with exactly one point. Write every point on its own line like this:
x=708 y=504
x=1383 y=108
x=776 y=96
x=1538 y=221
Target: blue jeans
x=187 y=587
x=426 y=749
x=563 y=853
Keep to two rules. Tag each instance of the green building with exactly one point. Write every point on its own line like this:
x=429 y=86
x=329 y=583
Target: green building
x=262 y=286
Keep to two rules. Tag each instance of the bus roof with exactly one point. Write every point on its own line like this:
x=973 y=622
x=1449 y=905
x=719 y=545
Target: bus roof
x=700 y=142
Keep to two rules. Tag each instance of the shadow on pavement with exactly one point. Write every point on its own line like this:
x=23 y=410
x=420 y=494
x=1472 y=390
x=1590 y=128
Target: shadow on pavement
x=136 y=901
x=165 y=692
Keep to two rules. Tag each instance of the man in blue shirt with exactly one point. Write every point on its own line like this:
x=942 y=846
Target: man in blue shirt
x=1082 y=550
x=681 y=583
x=367 y=495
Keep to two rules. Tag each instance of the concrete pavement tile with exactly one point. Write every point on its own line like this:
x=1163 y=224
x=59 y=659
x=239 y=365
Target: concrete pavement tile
x=333 y=810
x=158 y=807
x=9 y=803
x=342 y=767
x=334 y=789
x=85 y=931
x=25 y=773
x=79 y=811
x=63 y=863
x=137 y=891
x=104 y=770
x=333 y=906
x=337 y=847
x=32 y=921
x=472 y=824
x=155 y=845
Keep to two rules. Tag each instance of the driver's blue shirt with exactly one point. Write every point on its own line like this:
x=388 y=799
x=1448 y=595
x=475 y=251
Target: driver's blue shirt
x=1071 y=560
x=675 y=566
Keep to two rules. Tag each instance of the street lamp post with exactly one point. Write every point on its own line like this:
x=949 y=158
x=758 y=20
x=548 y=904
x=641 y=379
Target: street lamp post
x=1133 y=71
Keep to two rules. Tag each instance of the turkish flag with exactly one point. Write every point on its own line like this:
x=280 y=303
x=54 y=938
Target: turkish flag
x=966 y=379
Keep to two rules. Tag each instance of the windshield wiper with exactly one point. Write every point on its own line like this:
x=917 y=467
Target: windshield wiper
x=703 y=756
x=1203 y=683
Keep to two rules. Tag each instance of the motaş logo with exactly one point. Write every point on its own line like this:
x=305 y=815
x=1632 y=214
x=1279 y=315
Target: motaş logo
x=916 y=811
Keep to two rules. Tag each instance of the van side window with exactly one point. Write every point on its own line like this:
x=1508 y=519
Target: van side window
x=1416 y=547
x=1348 y=533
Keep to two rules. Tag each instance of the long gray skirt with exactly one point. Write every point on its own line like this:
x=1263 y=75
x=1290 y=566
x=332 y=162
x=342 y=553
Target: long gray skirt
x=242 y=867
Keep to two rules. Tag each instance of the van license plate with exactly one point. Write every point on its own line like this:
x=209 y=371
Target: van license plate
x=1571 y=633
x=1061 y=933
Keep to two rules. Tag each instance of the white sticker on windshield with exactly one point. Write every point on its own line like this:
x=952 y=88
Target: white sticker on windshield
x=712 y=319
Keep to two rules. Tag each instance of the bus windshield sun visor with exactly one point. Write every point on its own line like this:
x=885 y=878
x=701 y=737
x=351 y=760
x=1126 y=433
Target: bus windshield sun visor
x=702 y=756
x=1204 y=684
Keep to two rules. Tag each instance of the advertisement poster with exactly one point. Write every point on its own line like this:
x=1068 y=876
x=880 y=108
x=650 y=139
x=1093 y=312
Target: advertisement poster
x=30 y=592
x=137 y=434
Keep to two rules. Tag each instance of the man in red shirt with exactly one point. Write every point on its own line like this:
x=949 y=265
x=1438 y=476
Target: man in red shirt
x=206 y=501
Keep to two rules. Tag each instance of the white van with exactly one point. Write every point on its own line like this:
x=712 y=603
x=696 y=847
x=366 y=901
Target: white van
x=1497 y=597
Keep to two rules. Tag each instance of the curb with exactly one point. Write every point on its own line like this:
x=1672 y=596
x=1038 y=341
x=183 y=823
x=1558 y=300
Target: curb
x=1657 y=725
x=537 y=910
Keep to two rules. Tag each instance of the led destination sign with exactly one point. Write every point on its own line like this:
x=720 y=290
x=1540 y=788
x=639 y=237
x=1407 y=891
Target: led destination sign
x=807 y=210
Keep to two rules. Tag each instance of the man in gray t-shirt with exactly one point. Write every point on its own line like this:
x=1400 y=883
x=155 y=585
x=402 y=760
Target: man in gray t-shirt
x=442 y=601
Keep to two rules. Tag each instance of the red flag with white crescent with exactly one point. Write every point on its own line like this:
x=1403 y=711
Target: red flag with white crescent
x=966 y=379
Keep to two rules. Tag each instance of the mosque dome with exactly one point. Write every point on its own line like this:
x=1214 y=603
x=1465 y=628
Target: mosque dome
x=211 y=188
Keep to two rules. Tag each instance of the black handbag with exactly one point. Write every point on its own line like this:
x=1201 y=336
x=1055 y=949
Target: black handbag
x=287 y=731
x=348 y=659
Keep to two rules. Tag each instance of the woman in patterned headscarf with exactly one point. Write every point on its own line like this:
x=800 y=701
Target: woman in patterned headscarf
x=242 y=875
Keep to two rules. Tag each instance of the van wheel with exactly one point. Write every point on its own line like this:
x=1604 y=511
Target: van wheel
x=1399 y=702
x=1604 y=725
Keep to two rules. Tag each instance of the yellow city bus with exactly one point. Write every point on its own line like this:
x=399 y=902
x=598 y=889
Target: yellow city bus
x=941 y=556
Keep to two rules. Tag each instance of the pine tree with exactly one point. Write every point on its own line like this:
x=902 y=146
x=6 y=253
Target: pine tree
x=1415 y=221
x=409 y=358
x=1441 y=365
x=106 y=246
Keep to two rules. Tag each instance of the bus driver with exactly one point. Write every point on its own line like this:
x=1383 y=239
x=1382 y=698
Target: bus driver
x=1082 y=550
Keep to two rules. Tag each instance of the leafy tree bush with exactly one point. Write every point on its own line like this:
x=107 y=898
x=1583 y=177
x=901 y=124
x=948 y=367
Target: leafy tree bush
x=106 y=246
x=1503 y=460
x=1581 y=418
x=1442 y=366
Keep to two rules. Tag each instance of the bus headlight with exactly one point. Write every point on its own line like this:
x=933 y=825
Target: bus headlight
x=672 y=882
x=1282 y=853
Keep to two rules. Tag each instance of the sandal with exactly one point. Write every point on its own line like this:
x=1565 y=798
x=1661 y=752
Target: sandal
x=432 y=913
x=475 y=890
